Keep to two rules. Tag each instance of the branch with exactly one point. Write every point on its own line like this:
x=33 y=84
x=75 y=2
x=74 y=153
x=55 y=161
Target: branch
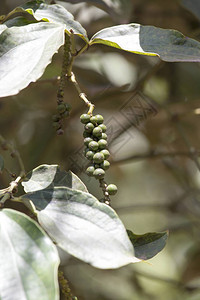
x=131 y=208
x=159 y=278
x=6 y=193
x=154 y=154
x=193 y=153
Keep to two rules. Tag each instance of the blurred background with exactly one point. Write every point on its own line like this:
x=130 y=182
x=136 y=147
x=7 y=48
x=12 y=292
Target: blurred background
x=152 y=111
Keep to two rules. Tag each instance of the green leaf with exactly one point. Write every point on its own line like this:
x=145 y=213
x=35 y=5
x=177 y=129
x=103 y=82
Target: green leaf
x=84 y=227
x=148 y=245
x=28 y=259
x=1 y=163
x=55 y=14
x=118 y=9
x=51 y=176
x=25 y=52
x=18 y=21
x=169 y=45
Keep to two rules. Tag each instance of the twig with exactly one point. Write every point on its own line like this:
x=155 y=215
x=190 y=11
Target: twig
x=154 y=154
x=192 y=151
x=103 y=185
x=132 y=208
x=71 y=77
x=82 y=95
x=6 y=193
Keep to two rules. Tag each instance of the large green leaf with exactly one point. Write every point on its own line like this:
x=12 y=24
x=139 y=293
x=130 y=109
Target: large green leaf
x=55 y=14
x=50 y=176
x=84 y=227
x=25 y=52
x=148 y=245
x=28 y=259
x=118 y=9
x=169 y=45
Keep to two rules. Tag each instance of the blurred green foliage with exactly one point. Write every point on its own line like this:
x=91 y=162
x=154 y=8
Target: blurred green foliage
x=155 y=156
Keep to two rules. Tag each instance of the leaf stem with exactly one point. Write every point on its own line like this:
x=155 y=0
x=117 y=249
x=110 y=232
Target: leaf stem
x=85 y=47
x=103 y=185
x=82 y=95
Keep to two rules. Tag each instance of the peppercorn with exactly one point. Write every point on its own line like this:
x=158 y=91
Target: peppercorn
x=89 y=155
x=111 y=189
x=93 y=145
x=85 y=118
x=90 y=171
x=98 y=158
x=97 y=132
x=102 y=144
x=105 y=165
x=89 y=127
x=99 y=173
x=100 y=119
x=105 y=152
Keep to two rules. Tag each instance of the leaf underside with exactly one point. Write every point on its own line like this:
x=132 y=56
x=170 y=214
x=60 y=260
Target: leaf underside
x=50 y=176
x=84 y=227
x=148 y=245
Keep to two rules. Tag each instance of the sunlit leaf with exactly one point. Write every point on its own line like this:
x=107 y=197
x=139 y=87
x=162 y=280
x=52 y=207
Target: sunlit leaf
x=148 y=245
x=28 y=259
x=55 y=14
x=168 y=44
x=84 y=227
x=50 y=176
x=25 y=52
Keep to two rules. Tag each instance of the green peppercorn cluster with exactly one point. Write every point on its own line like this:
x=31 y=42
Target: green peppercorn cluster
x=63 y=110
x=95 y=141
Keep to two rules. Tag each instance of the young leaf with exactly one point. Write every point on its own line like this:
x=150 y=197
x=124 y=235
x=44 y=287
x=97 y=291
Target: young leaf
x=148 y=245
x=50 y=176
x=25 y=52
x=84 y=227
x=169 y=45
x=28 y=259
x=55 y=14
